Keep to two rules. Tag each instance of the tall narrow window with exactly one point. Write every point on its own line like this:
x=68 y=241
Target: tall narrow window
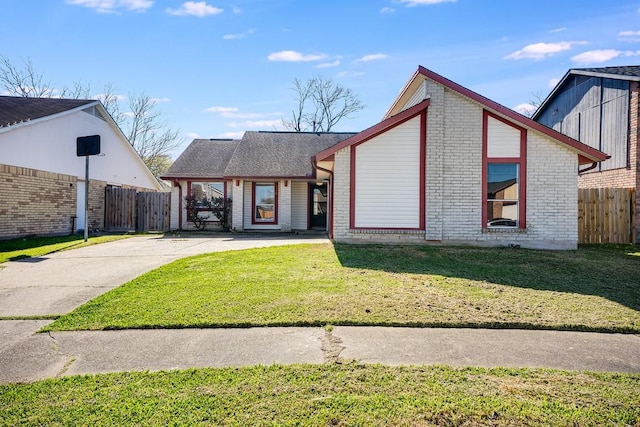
x=264 y=203
x=502 y=195
x=504 y=165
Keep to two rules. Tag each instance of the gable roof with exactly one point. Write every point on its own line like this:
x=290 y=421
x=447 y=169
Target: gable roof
x=279 y=154
x=626 y=72
x=203 y=158
x=375 y=130
x=15 y=110
x=586 y=154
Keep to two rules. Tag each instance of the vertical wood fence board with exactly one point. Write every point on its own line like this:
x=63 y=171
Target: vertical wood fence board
x=606 y=215
x=129 y=210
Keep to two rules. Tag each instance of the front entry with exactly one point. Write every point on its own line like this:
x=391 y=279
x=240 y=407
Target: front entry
x=318 y=206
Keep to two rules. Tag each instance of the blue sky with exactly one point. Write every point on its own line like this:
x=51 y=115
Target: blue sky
x=218 y=68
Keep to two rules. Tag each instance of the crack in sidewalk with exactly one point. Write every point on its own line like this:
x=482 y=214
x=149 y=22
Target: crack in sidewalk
x=70 y=358
x=331 y=347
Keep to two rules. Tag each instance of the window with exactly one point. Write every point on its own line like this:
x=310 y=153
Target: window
x=202 y=195
x=502 y=195
x=265 y=203
x=504 y=165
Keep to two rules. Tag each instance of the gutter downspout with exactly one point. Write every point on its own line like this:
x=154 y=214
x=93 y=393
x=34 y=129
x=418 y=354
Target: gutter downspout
x=588 y=168
x=177 y=184
x=314 y=162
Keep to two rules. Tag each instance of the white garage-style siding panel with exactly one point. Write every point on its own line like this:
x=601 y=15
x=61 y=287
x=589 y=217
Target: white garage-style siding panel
x=503 y=140
x=299 y=204
x=387 y=179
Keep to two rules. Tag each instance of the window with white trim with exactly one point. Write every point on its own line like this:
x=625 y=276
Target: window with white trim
x=264 y=209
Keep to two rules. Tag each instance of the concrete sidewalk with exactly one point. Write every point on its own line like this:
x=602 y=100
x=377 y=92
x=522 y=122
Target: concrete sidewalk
x=32 y=357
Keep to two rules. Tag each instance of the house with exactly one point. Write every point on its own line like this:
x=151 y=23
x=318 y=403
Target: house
x=42 y=180
x=445 y=165
x=600 y=108
x=269 y=176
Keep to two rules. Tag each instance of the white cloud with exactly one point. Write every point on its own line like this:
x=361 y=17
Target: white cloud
x=262 y=124
x=539 y=51
x=372 y=57
x=158 y=100
x=193 y=8
x=411 y=3
x=218 y=109
x=234 y=113
x=558 y=30
x=102 y=96
x=525 y=109
x=629 y=36
x=293 y=56
x=328 y=64
x=387 y=10
x=553 y=82
x=243 y=35
x=603 y=55
x=232 y=135
x=112 y=6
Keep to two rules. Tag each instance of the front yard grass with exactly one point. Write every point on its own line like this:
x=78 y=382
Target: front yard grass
x=596 y=288
x=328 y=395
x=16 y=249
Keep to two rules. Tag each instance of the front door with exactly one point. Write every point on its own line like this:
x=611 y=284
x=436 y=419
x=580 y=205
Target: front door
x=318 y=205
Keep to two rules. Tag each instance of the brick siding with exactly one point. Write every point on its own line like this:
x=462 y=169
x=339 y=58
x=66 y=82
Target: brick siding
x=34 y=202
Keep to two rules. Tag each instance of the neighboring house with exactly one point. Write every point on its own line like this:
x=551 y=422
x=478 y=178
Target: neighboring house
x=600 y=107
x=447 y=165
x=42 y=181
x=269 y=176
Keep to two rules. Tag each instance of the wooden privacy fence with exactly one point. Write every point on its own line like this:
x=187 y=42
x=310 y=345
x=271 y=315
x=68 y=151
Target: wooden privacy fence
x=606 y=215
x=126 y=209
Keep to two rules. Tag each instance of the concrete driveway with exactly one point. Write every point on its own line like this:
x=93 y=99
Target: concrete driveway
x=59 y=282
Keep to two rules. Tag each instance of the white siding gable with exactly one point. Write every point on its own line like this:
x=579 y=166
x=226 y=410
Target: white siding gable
x=387 y=179
x=418 y=96
x=502 y=140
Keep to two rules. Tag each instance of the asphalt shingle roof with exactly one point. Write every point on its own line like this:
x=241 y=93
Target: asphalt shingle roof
x=279 y=154
x=15 y=109
x=203 y=158
x=625 y=70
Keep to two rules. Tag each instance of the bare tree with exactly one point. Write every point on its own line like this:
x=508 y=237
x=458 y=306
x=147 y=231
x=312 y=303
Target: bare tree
x=321 y=104
x=149 y=132
x=144 y=124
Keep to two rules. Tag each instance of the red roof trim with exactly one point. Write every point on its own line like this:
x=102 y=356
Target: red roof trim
x=375 y=130
x=585 y=152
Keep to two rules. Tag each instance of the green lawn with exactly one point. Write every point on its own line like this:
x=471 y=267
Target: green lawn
x=15 y=249
x=328 y=395
x=596 y=288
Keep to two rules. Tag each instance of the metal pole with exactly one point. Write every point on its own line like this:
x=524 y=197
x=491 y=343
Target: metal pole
x=86 y=198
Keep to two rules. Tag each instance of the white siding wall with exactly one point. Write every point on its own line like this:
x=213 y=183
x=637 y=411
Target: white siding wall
x=237 y=207
x=388 y=179
x=51 y=146
x=418 y=96
x=502 y=140
x=299 y=205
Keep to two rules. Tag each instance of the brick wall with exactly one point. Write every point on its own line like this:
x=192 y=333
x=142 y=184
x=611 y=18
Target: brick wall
x=34 y=202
